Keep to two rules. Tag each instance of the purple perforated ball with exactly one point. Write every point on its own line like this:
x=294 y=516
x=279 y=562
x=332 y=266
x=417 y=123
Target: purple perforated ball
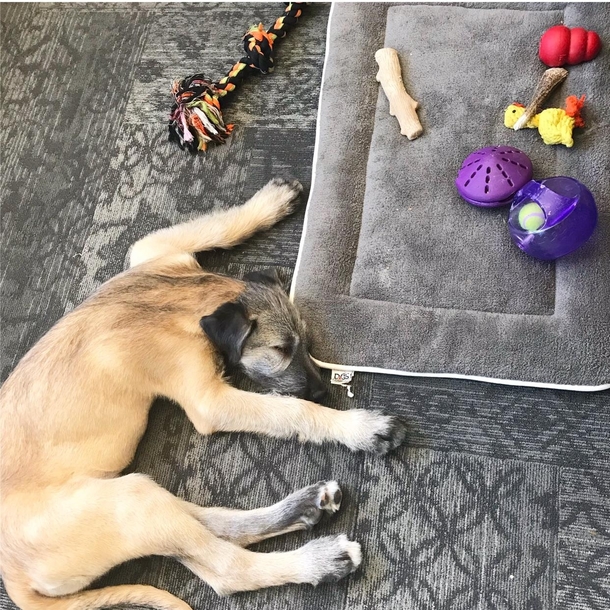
x=490 y=177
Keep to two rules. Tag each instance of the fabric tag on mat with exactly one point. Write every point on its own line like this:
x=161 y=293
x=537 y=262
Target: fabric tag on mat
x=343 y=378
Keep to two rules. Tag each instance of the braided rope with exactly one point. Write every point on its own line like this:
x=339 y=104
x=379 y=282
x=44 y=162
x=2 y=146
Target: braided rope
x=196 y=118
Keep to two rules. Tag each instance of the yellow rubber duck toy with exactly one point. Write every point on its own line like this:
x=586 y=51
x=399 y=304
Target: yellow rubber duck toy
x=555 y=125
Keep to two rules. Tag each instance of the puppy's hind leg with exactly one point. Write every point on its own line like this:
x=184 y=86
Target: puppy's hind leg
x=103 y=523
x=299 y=511
x=221 y=229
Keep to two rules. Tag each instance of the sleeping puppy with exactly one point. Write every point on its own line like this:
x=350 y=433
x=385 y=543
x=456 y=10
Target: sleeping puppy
x=75 y=408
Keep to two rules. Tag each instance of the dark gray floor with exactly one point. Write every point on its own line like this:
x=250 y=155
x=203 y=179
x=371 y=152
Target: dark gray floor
x=501 y=500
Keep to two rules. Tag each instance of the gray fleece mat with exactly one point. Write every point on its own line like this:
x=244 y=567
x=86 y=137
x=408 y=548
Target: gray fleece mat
x=396 y=271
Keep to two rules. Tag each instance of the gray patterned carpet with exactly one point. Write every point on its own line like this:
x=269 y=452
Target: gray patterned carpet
x=500 y=501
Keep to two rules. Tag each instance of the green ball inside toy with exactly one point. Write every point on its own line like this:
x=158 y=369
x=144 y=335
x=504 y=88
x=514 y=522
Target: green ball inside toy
x=531 y=217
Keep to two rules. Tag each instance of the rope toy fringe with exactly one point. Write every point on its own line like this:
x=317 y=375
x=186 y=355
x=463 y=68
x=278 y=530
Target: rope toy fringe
x=196 y=117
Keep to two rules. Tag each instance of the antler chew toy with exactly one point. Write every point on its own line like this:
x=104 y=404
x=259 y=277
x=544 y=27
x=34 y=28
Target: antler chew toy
x=402 y=105
x=549 y=80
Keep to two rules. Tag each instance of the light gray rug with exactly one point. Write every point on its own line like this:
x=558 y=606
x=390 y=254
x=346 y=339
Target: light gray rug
x=396 y=271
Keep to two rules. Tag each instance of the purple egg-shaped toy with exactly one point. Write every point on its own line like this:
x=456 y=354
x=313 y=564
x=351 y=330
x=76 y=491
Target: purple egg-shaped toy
x=490 y=177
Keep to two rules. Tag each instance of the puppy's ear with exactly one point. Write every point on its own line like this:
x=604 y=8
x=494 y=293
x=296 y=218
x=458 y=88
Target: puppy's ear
x=227 y=328
x=270 y=277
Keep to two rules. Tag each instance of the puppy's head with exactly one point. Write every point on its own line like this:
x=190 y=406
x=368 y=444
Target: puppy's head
x=263 y=334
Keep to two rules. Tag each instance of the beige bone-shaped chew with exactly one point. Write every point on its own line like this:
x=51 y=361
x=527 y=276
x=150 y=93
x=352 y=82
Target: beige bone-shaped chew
x=402 y=105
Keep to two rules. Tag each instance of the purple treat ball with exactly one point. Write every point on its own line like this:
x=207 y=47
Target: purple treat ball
x=490 y=177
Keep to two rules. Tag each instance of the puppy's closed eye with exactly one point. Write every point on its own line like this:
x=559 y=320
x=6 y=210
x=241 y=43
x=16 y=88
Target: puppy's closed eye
x=285 y=350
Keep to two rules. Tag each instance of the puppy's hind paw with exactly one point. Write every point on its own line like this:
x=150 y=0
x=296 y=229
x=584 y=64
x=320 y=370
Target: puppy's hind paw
x=329 y=496
x=332 y=558
x=308 y=505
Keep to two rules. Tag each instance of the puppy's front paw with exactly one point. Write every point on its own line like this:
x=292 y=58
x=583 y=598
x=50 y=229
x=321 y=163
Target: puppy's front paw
x=284 y=193
x=293 y=186
x=374 y=431
x=390 y=436
x=330 y=559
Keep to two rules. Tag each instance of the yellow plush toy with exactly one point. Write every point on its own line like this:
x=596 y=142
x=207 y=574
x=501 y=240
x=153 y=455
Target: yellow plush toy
x=555 y=125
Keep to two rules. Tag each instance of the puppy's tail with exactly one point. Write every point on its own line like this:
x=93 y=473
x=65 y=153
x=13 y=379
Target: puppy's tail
x=140 y=595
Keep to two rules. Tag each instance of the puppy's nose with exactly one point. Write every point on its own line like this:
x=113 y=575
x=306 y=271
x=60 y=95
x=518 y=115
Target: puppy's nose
x=318 y=393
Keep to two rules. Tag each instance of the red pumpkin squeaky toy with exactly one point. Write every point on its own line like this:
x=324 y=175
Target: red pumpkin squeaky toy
x=561 y=45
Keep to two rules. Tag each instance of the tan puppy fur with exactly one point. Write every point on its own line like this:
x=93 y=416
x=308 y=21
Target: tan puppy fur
x=75 y=408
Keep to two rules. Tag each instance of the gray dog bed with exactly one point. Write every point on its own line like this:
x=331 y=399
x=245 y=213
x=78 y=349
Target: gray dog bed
x=396 y=273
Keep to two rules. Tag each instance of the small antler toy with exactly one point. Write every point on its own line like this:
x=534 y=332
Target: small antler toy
x=555 y=125
x=549 y=80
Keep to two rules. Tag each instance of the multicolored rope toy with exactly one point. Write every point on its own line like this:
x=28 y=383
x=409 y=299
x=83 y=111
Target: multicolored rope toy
x=196 y=118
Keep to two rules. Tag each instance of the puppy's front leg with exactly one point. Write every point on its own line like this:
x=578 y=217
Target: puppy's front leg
x=231 y=410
